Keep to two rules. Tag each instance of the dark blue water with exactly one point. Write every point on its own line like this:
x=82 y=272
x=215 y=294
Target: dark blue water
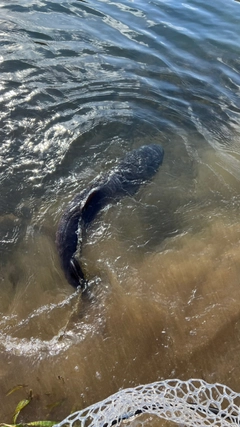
x=82 y=83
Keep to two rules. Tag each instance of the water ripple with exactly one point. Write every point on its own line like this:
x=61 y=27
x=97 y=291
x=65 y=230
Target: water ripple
x=81 y=84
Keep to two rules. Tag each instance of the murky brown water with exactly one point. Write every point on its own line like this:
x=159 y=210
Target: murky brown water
x=82 y=83
x=157 y=310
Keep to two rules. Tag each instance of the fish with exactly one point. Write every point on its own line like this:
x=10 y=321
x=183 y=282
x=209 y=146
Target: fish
x=137 y=168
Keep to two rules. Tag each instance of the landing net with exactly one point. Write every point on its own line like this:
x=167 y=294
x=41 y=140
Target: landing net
x=190 y=403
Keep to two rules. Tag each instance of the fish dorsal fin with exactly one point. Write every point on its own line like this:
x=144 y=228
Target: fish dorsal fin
x=77 y=273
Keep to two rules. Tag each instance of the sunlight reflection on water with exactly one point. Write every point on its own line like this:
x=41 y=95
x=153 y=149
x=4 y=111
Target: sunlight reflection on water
x=82 y=84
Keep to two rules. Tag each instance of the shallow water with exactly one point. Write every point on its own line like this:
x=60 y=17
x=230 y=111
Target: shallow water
x=82 y=83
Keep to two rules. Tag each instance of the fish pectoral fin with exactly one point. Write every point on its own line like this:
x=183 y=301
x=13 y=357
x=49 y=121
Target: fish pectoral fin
x=93 y=193
x=92 y=204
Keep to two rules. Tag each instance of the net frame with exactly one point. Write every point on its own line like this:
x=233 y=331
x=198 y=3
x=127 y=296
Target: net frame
x=191 y=403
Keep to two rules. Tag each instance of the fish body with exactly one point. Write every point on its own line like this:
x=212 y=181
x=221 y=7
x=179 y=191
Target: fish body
x=136 y=168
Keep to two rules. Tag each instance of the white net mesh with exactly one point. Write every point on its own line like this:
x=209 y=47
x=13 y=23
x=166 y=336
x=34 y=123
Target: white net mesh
x=191 y=403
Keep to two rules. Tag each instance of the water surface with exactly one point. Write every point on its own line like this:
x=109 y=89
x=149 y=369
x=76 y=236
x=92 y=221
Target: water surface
x=83 y=83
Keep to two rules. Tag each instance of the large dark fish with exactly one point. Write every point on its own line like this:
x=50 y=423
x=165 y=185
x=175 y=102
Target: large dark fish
x=138 y=167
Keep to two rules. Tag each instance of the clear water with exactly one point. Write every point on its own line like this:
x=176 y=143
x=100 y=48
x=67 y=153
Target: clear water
x=82 y=83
